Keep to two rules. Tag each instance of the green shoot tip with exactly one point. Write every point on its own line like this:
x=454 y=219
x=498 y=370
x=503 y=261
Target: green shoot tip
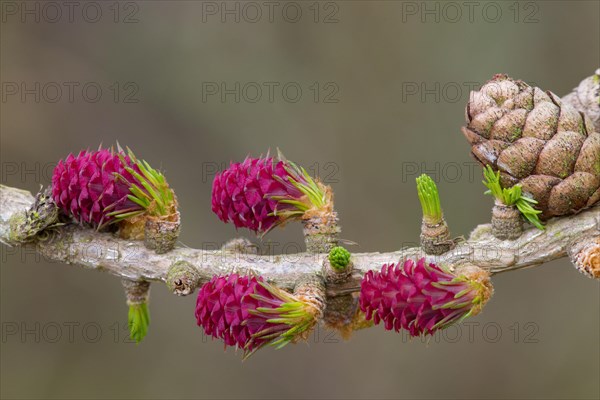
x=430 y=199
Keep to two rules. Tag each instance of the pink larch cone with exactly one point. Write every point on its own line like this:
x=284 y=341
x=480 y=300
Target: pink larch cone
x=84 y=186
x=248 y=313
x=420 y=297
x=103 y=187
x=261 y=193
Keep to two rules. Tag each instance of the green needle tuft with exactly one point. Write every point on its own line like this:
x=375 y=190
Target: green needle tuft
x=138 y=321
x=154 y=196
x=430 y=199
x=511 y=197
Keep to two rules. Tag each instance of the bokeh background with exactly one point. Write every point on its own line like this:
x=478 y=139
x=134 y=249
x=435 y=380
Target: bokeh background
x=383 y=88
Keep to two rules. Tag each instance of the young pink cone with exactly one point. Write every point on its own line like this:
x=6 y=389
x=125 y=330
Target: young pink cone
x=261 y=193
x=104 y=186
x=420 y=297
x=248 y=313
x=83 y=186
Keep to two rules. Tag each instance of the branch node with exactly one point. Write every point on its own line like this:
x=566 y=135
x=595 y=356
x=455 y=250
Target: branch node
x=182 y=278
x=585 y=255
x=137 y=292
x=43 y=214
x=160 y=234
x=337 y=267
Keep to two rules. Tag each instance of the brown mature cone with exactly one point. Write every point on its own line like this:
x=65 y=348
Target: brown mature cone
x=535 y=139
x=586 y=98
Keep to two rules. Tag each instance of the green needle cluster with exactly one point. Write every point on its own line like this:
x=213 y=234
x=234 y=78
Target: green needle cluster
x=511 y=197
x=138 y=321
x=154 y=196
x=430 y=199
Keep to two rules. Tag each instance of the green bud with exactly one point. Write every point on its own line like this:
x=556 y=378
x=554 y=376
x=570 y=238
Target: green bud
x=339 y=258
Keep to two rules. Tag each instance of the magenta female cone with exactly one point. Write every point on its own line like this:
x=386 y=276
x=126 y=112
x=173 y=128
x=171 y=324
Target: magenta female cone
x=422 y=298
x=84 y=186
x=248 y=313
x=261 y=193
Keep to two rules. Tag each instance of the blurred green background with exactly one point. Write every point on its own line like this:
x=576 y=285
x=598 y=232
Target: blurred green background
x=383 y=86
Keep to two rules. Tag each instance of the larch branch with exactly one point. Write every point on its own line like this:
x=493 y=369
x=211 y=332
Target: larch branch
x=75 y=245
